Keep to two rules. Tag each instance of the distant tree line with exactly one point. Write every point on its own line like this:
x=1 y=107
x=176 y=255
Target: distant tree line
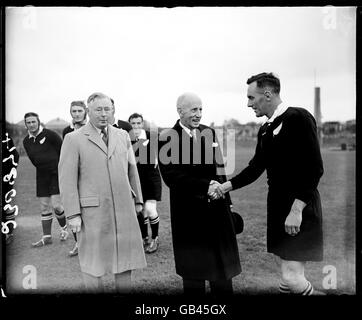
x=331 y=130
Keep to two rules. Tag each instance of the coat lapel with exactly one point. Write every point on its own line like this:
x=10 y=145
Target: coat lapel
x=112 y=140
x=93 y=136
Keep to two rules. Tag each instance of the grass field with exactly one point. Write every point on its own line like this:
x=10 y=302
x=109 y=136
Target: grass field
x=58 y=274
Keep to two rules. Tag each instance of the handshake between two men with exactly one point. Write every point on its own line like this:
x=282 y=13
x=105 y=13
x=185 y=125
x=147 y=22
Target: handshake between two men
x=217 y=190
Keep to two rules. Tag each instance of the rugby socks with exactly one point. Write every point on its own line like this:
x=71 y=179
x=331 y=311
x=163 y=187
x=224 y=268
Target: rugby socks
x=283 y=288
x=10 y=216
x=46 y=222
x=307 y=291
x=145 y=228
x=146 y=220
x=154 y=226
x=143 y=225
x=61 y=219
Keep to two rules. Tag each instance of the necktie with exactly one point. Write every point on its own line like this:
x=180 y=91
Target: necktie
x=104 y=136
x=193 y=132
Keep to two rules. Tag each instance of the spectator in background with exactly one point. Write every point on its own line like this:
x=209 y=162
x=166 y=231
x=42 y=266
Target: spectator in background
x=150 y=181
x=79 y=116
x=120 y=123
x=43 y=149
x=79 y=119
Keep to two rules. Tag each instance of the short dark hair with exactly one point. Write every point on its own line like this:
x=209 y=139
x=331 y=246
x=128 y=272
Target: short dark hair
x=266 y=79
x=135 y=115
x=31 y=114
x=78 y=103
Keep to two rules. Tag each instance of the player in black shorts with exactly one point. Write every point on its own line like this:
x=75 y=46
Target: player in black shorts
x=43 y=149
x=150 y=181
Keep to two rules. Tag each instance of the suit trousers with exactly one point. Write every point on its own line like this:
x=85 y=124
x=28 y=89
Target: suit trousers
x=217 y=288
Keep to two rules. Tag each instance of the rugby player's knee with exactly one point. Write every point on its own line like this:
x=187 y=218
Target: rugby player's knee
x=150 y=209
x=45 y=205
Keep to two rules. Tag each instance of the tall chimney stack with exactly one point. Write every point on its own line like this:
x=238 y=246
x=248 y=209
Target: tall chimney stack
x=317 y=112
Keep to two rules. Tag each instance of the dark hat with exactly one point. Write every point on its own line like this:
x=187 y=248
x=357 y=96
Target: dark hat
x=238 y=222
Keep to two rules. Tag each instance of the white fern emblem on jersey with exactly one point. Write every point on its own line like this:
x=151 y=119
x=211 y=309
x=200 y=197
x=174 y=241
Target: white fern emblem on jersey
x=277 y=129
x=42 y=140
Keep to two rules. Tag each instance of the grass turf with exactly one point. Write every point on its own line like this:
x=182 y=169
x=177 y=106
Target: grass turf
x=59 y=274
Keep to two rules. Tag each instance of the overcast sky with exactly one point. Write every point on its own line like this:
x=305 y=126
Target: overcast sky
x=144 y=58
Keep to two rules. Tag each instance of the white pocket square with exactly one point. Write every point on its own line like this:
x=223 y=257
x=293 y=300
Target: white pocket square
x=277 y=129
x=145 y=143
x=42 y=140
x=215 y=144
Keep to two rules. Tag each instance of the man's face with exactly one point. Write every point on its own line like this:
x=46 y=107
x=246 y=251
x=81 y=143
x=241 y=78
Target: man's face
x=32 y=124
x=257 y=100
x=100 y=111
x=137 y=125
x=190 y=114
x=77 y=113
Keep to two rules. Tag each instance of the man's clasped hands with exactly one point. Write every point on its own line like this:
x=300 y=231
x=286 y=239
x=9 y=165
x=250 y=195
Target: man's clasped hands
x=217 y=190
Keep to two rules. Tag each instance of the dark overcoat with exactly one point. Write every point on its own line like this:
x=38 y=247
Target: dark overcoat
x=289 y=150
x=203 y=234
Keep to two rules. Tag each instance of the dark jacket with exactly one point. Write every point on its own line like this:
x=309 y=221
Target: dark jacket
x=123 y=125
x=67 y=130
x=203 y=234
x=289 y=151
x=44 y=150
x=146 y=152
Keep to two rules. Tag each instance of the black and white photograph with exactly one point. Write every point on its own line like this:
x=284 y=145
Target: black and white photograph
x=179 y=151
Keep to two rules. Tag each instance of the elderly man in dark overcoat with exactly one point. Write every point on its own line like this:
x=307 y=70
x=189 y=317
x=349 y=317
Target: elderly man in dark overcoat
x=288 y=149
x=203 y=234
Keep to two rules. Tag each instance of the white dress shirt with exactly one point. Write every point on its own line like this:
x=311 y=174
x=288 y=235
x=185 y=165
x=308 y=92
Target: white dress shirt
x=191 y=133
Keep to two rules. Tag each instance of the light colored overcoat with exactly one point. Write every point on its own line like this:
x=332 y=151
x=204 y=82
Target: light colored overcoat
x=102 y=185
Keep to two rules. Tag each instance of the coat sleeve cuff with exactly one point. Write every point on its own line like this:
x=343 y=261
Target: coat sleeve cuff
x=304 y=196
x=73 y=216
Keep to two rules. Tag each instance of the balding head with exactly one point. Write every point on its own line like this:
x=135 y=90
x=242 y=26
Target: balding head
x=100 y=109
x=188 y=99
x=189 y=108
